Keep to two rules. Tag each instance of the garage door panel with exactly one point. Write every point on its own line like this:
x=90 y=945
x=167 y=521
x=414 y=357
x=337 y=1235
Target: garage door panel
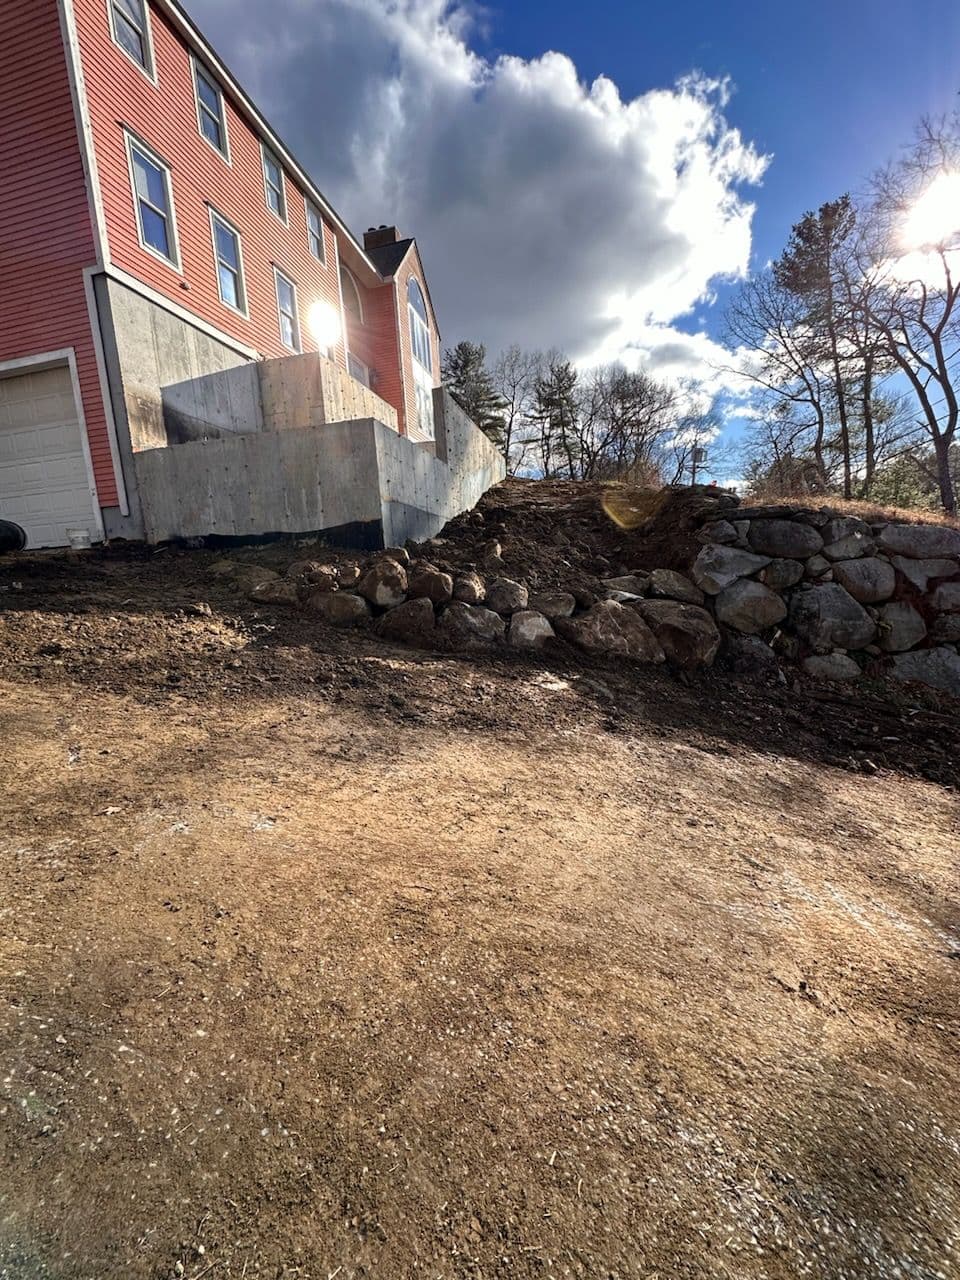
x=44 y=484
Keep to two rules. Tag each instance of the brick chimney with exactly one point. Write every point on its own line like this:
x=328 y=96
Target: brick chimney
x=376 y=237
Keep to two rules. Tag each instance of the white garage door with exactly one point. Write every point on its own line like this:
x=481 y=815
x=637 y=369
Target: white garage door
x=44 y=484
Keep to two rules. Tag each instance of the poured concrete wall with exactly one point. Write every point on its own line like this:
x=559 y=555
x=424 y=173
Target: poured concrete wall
x=359 y=482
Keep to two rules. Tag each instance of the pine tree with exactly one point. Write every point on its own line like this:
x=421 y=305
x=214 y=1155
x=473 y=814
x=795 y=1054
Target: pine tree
x=471 y=384
x=557 y=414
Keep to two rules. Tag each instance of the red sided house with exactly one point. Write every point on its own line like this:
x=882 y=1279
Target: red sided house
x=191 y=340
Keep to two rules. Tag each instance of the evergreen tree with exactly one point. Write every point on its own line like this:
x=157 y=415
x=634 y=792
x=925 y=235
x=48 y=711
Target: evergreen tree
x=471 y=384
x=557 y=414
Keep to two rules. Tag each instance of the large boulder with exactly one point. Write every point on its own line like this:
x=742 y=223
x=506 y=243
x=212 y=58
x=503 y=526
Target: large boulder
x=827 y=617
x=427 y=580
x=687 y=634
x=716 y=567
x=921 y=541
x=749 y=655
x=412 y=622
x=901 y=627
x=780 y=574
x=846 y=538
x=610 y=628
x=667 y=584
x=469 y=589
x=471 y=625
x=939 y=668
x=946 y=598
x=385 y=583
x=506 y=596
x=529 y=630
x=339 y=608
x=831 y=666
x=553 y=604
x=750 y=607
x=919 y=573
x=785 y=539
x=869 y=580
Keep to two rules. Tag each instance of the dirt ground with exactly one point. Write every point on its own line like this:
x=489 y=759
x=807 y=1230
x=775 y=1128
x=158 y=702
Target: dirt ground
x=326 y=959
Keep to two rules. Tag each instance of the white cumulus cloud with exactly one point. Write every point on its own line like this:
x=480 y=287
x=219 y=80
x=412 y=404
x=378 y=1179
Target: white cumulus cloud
x=549 y=211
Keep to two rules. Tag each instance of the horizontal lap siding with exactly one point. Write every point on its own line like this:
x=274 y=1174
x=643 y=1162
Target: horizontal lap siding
x=46 y=238
x=164 y=116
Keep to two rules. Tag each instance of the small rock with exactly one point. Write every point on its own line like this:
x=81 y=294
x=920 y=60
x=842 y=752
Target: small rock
x=529 y=630
x=901 y=627
x=666 y=584
x=818 y=568
x=785 y=539
x=946 y=598
x=223 y=568
x=609 y=628
x=469 y=589
x=249 y=575
x=471 y=625
x=506 y=596
x=553 y=604
x=719 y=531
x=938 y=668
x=749 y=654
x=946 y=629
x=412 y=622
x=491 y=556
x=868 y=580
x=385 y=584
x=311 y=577
x=921 y=541
x=750 y=607
x=400 y=554
x=717 y=567
x=199 y=610
x=634 y=584
x=831 y=666
x=274 y=591
x=780 y=574
x=426 y=580
x=339 y=608
x=687 y=633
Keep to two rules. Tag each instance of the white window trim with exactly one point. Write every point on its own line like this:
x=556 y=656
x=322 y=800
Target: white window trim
x=264 y=153
x=279 y=275
x=149 y=72
x=308 y=207
x=356 y=288
x=215 y=217
x=133 y=141
x=198 y=69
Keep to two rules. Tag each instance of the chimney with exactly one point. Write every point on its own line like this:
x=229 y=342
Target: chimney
x=376 y=237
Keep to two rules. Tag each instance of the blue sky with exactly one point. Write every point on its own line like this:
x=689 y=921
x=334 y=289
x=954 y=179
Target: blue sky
x=830 y=90
x=576 y=175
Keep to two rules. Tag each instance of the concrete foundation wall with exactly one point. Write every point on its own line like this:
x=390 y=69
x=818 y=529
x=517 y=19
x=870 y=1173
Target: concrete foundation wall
x=358 y=482
x=156 y=349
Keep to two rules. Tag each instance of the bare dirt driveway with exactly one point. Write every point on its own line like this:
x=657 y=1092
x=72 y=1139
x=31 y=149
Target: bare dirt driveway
x=325 y=959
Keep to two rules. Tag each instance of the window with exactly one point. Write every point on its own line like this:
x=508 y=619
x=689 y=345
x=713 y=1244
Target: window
x=131 y=31
x=419 y=326
x=287 y=309
x=226 y=253
x=273 y=185
x=315 y=232
x=351 y=296
x=358 y=369
x=150 y=179
x=211 y=113
x=422 y=358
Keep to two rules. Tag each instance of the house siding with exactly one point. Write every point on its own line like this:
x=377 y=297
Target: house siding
x=375 y=343
x=164 y=116
x=46 y=234
x=411 y=266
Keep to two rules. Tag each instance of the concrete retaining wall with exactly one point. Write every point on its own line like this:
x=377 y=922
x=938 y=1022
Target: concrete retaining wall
x=358 y=482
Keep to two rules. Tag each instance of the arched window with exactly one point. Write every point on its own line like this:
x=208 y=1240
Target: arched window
x=352 y=304
x=419 y=325
x=422 y=358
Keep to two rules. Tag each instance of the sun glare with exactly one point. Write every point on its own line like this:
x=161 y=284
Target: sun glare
x=935 y=215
